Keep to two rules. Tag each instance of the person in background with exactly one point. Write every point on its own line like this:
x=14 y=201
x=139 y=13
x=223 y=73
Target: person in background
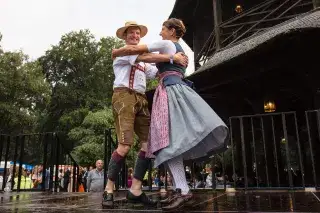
x=95 y=179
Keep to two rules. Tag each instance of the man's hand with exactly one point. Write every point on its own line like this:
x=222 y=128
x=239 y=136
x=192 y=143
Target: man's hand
x=181 y=58
x=114 y=53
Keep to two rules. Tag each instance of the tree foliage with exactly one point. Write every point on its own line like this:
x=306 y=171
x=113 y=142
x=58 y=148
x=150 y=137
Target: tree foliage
x=24 y=92
x=79 y=70
x=152 y=84
x=90 y=136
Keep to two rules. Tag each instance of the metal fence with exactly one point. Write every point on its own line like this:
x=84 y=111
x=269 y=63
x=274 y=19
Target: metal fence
x=275 y=150
x=37 y=162
x=266 y=151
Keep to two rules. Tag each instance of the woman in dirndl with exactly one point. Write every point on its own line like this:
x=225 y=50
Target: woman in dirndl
x=183 y=126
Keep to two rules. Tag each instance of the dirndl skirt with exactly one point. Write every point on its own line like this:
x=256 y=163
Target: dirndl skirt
x=195 y=130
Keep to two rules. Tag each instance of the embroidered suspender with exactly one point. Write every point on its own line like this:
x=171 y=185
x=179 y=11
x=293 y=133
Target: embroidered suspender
x=134 y=68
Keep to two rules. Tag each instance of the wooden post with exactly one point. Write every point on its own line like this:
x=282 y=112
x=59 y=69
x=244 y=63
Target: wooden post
x=316 y=3
x=217 y=21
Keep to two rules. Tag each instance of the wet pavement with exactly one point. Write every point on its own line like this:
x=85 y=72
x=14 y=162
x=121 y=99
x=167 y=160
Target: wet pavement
x=204 y=201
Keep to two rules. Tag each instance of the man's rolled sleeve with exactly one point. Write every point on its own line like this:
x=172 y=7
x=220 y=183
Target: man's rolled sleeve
x=151 y=71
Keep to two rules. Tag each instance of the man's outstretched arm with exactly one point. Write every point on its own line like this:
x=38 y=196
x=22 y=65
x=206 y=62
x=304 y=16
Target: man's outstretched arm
x=130 y=50
x=178 y=58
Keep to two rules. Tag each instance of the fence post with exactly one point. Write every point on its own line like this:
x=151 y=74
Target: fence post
x=299 y=151
x=56 y=176
x=284 y=126
x=311 y=151
x=53 y=144
x=5 y=162
x=244 y=160
x=316 y=3
x=106 y=156
x=15 y=161
x=275 y=151
x=234 y=176
x=265 y=151
x=22 y=139
x=2 y=141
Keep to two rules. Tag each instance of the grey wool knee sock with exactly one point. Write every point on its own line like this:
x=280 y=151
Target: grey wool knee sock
x=115 y=166
x=142 y=164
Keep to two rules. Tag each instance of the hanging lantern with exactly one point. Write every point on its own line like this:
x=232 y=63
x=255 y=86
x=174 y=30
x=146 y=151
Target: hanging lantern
x=269 y=106
x=238 y=9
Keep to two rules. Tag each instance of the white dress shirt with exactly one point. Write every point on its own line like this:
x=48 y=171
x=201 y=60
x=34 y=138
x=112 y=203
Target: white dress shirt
x=132 y=75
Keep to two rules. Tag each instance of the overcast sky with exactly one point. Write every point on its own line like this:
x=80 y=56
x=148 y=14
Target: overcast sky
x=34 y=25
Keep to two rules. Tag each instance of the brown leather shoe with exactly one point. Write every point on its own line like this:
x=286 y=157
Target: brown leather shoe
x=178 y=201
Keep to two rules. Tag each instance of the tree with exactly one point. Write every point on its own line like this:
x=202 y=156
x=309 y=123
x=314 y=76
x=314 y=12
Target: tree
x=90 y=136
x=23 y=92
x=79 y=70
